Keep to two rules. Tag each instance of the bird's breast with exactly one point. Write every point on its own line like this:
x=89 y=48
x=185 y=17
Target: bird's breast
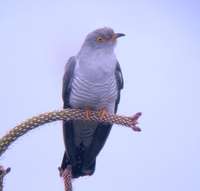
x=93 y=95
x=97 y=67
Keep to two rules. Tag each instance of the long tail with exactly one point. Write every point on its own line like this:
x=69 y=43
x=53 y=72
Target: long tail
x=77 y=171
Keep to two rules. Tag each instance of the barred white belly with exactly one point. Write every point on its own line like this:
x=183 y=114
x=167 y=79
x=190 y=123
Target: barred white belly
x=95 y=96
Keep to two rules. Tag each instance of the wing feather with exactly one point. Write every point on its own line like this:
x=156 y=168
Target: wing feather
x=120 y=83
x=68 y=125
x=67 y=79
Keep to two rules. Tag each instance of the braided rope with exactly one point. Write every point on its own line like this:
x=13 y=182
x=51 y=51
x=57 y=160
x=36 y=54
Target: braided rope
x=64 y=114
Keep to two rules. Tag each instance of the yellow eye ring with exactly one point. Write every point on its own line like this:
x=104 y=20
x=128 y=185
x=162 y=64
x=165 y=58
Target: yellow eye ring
x=100 y=39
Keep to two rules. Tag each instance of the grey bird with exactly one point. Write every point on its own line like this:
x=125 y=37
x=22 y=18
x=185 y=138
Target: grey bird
x=92 y=81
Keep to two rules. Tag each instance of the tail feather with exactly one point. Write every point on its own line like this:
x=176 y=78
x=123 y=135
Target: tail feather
x=77 y=170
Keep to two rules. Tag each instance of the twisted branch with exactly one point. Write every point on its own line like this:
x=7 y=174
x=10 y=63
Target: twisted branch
x=64 y=114
x=2 y=174
x=67 y=177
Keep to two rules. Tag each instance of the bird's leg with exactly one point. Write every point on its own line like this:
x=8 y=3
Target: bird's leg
x=88 y=112
x=102 y=113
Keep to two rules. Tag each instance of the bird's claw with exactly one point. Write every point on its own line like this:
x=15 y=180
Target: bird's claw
x=102 y=113
x=88 y=112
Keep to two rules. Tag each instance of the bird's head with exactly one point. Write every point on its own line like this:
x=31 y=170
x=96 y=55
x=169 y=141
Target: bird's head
x=102 y=38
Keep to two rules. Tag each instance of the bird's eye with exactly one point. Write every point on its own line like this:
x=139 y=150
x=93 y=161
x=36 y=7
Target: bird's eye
x=100 y=39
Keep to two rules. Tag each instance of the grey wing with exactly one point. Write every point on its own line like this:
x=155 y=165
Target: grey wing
x=68 y=125
x=120 y=83
x=67 y=79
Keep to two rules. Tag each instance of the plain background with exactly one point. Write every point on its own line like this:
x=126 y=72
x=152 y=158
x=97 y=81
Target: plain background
x=160 y=61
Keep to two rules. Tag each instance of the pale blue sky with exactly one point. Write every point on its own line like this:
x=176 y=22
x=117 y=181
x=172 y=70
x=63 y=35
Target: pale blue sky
x=160 y=61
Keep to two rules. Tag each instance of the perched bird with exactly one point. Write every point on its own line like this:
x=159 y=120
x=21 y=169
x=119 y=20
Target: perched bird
x=92 y=81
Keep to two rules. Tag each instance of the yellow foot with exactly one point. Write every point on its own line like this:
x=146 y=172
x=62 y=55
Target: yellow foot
x=102 y=113
x=88 y=112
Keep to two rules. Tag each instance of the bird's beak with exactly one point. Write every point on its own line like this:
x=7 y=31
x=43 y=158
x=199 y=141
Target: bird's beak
x=116 y=35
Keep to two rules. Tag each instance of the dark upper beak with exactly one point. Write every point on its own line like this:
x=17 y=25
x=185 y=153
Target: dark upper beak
x=116 y=35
